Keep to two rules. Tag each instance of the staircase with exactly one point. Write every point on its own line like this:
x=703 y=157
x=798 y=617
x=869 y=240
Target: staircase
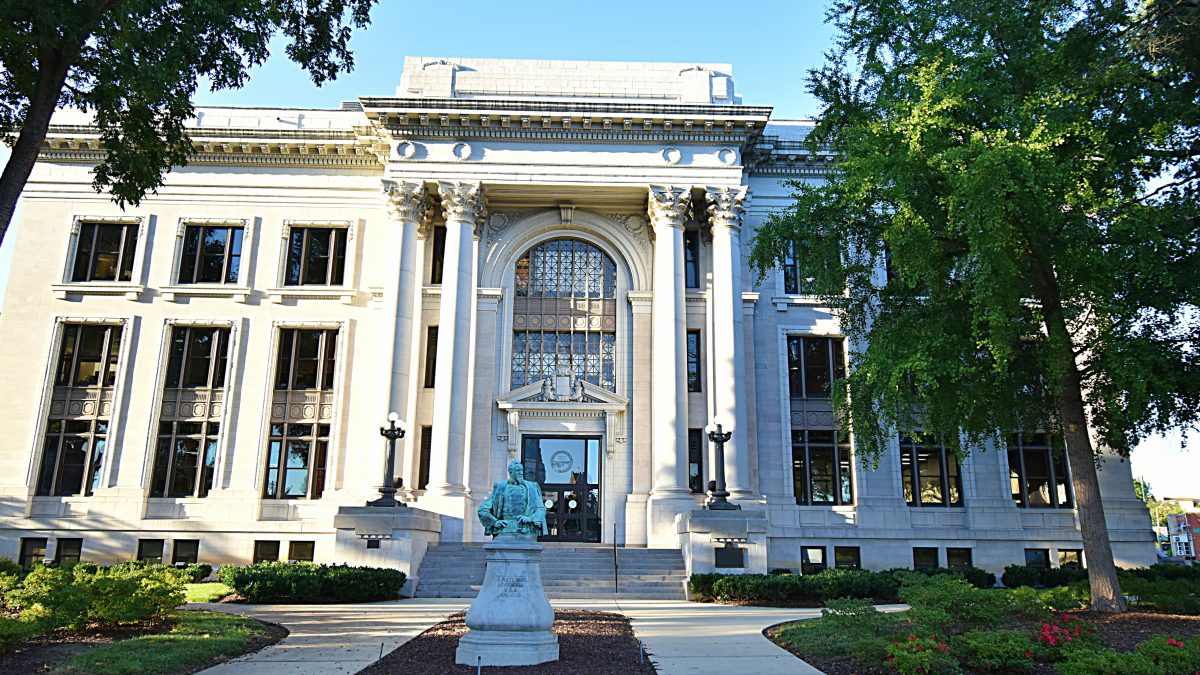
x=568 y=571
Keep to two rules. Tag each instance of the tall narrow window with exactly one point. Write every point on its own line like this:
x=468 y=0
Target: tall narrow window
x=693 y=360
x=437 y=263
x=425 y=457
x=431 y=339
x=821 y=468
x=1038 y=471
x=298 y=447
x=564 y=314
x=189 y=427
x=691 y=258
x=930 y=474
x=104 y=252
x=796 y=280
x=316 y=256
x=211 y=254
x=696 y=460
x=76 y=437
x=814 y=363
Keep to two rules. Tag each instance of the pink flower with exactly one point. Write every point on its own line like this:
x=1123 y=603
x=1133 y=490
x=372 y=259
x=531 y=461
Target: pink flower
x=1028 y=653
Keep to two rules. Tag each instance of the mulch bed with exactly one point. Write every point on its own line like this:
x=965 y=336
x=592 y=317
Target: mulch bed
x=588 y=642
x=1121 y=632
x=41 y=653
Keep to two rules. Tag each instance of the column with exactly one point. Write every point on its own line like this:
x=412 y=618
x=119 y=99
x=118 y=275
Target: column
x=725 y=209
x=669 y=495
x=408 y=207
x=462 y=204
x=640 y=441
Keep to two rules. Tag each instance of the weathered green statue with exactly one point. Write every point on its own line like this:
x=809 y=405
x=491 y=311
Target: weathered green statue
x=515 y=506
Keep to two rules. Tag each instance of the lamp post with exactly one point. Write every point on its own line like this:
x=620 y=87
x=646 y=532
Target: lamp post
x=719 y=500
x=392 y=432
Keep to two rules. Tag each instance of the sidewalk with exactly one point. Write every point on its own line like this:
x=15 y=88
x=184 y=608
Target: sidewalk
x=682 y=637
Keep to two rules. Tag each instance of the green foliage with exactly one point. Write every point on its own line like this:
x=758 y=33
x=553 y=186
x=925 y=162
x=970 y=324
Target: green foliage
x=1107 y=662
x=58 y=597
x=999 y=651
x=304 y=582
x=701 y=585
x=7 y=583
x=1176 y=596
x=12 y=631
x=196 y=639
x=948 y=604
x=198 y=572
x=794 y=590
x=50 y=597
x=920 y=655
x=1041 y=577
x=8 y=566
x=855 y=618
x=1172 y=655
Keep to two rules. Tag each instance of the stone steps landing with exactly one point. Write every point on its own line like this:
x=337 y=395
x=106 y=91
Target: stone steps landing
x=568 y=571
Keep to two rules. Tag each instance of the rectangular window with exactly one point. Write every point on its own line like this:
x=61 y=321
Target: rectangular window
x=847 y=556
x=431 y=342
x=266 y=551
x=1070 y=557
x=426 y=457
x=72 y=457
x=691 y=258
x=821 y=468
x=67 y=551
x=184 y=459
x=33 y=551
x=316 y=256
x=104 y=252
x=185 y=551
x=198 y=357
x=696 y=460
x=796 y=280
x=307 y=359
x=296 y=457
x=301 y=551
x=929 y=473
x=88 y=355
x=958 y=558
x=1038 y=471
x=925 y=558
x=437 y=265
x=150 y=549
x=812 y=559
x=1037 y=557
x=693 y=360
x=814 y=363
x=211 y=255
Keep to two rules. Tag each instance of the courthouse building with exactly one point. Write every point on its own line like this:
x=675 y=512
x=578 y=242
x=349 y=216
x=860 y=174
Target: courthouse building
x=539 y=260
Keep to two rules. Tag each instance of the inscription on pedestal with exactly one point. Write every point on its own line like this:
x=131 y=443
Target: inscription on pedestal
x=510 y=587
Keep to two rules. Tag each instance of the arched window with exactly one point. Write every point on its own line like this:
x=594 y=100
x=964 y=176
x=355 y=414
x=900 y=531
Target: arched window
x=564 y=313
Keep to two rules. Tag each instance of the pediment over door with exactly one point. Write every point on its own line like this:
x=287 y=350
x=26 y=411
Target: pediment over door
x=564 y=396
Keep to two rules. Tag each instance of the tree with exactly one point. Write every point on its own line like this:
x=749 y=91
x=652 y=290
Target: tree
x=136 y=65
x=1026 y=172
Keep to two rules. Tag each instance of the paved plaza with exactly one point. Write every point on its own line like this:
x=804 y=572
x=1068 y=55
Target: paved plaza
x=682 y=637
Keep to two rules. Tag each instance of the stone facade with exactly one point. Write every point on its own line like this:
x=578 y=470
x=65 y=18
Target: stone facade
x=362 y=228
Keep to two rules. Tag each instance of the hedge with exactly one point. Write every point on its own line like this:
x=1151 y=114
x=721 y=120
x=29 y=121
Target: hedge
x=305 y=582
x=812 y=590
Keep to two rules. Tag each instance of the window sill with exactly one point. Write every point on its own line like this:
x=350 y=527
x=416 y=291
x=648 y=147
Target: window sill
x=81 y=288
x=342 y=293
x=782 y=302
x=174 y=293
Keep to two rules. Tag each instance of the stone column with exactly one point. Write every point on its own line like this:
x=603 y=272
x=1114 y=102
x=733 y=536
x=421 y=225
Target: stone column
x=727 y=341
x=408 y=207
x=669 y=495
x=641 y=441
x=463 y=206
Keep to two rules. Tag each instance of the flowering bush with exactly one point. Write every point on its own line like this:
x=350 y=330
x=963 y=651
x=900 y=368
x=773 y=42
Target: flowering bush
x=919 y=654
x=1171 y=655
x=950 y=604
x=1066 y=632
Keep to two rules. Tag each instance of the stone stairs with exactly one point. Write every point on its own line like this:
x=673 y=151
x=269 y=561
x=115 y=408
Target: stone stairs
x=568 y=571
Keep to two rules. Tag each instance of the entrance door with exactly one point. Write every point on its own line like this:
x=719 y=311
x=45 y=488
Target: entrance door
x=568 y=469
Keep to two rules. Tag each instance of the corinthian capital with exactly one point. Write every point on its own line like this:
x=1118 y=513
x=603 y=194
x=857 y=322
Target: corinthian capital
x=726 y=206
x=407 y=201
x=462 y=202
x=669 y=205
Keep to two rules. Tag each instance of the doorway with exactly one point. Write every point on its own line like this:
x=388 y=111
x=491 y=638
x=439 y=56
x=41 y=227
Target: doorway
x=568 y=470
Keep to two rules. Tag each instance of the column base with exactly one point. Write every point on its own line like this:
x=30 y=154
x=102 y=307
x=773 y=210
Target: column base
x=661 y=510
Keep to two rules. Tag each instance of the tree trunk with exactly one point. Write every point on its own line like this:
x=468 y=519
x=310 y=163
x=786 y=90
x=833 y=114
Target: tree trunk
x=51 y=77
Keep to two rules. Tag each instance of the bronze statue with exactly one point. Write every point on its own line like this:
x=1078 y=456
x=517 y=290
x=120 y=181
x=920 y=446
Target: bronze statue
x=515 y=506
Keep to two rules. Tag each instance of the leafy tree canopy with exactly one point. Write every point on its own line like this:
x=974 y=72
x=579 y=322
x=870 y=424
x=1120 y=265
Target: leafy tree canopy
x=136 y=65
x=1028 y=171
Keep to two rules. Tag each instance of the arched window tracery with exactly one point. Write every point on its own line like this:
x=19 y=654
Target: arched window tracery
x=564 y=313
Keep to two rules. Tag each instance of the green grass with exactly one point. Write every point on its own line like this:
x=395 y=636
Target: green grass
x=196 y=639
x=207 y=592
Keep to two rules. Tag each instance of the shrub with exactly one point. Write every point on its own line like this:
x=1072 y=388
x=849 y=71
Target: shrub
x=1106 y=662
x=198 y=572
x=950 y=604
x=1041 y=577
x=51 y=598
x=1065 y=634
x=775 y=571
x=700 y=585
x=857 y=618
x=13 y=631
x=130 y=595
x=852 y=583
x=9 y=567
x=868 y=653
x=308 y=582
x=7 y=583
x=919 y=654
x=1001 y=651
x=1177 y=596
x=1171 y=655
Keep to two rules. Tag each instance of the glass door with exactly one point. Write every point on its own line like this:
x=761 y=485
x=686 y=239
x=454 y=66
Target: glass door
x=568 y=470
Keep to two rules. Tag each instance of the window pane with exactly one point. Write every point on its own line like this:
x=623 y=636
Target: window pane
x=212 y=267
x=1037 y=557
x=816 y=367
x=90 y=357
x=189 y=256
x=235 y=256
x=301 y=550
x=185 y=551
x=199 y=357
x=308 y=343
x=70 y=466
x=83 y=252
x=847 y=556
x=924 y=558
x=906 y=470
x=693 y=361
x=295 y=259
x=266 y=550
x=795 y=361
x=107 y=254
x=316 y=259
x=958 y=558
x=150 y=549
x=186 y=455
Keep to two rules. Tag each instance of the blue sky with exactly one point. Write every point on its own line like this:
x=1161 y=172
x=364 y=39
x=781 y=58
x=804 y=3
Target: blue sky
x=771 y=45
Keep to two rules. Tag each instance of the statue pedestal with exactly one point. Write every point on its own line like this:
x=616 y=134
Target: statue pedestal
x=510 y=619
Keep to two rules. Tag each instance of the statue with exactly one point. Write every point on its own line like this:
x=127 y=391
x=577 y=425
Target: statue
x=515 y=506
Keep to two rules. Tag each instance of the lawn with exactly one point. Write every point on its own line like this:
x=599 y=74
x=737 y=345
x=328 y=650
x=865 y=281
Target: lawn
x=196 y=640
x=207 y=592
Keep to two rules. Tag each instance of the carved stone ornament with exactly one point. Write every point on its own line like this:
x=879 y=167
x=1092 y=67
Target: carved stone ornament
x=668 y=205
x=564 y=386
x=407 y=201
x=462 y=202
x=726 y=206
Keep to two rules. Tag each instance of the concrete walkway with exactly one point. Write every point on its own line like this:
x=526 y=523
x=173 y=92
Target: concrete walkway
x=682 y=637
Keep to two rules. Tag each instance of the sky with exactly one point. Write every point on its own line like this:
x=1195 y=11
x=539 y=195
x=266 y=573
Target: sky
x=771 y=45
